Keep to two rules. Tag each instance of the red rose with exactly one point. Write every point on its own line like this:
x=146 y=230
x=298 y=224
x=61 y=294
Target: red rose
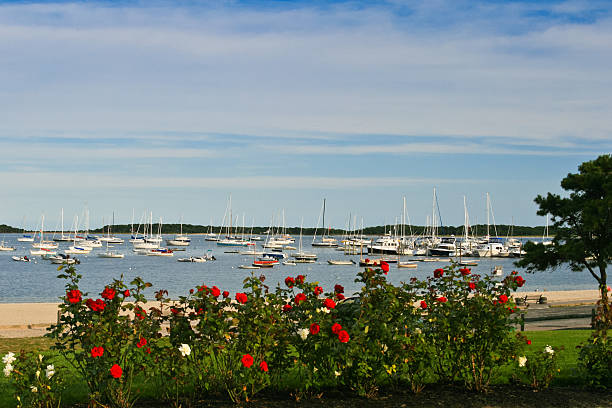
x=300 y=297
x=225 y=293
x=339 y=296
x=247 y=360
x=464 y=271
x=286 y=308
x=126 y=293
x=191 y=291
x=116 y=371
x=318 y=290
x=263 y=366
x=141 y=342
x=343 y=336
x=97 y=352
x=528 y=342
x=215 y=291
x=108 y=293
x=148 y=350
x=97 y=305
x=314 y=328
x=519 y=281
x=74 y=296
x=174 y=311
x=442 y=299
x=423 y=304
x=241 y=298
x=472 y=285
x=139 y=312
x=336 y=328
x=338 y=288
x=438 y=273
x=503 y=298
x=384 y=266
x=514 y=273
x=289 y=281
x=329 y=303
x=299 y=279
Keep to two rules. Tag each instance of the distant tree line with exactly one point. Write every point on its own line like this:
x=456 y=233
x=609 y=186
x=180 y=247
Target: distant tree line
x=502 y=230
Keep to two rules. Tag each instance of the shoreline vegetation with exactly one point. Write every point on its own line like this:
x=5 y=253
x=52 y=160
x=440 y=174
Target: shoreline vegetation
x=479 y=229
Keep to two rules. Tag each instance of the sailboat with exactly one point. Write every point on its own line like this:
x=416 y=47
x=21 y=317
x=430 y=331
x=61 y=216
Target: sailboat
x=300 y=256
x=109 y=238
x=490 y=246
x=62 y=238
x=42 y=244
x=545 y=238
x=326 y=242
x=179 y=240
x=25 y=237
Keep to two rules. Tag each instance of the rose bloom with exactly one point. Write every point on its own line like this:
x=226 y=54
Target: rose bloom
x=247 y=360
x=300 y=297
x=140 y=313
x=343 y=336
x=528 y=342
x=384 y=266
x=299 y=279
x=503 y=298
x=519 y=281
x=141 y=342
x=126 y=293
x=314 y=328
x=464 y=271
x=215 y=291
x=289 y=281
x=336 y=327
x=329 y=303
x=423 y=304
x=318 y=290
x=225 y=293
x=339 y=288
x=108 y=293
x=442 y=299
x=472 y=285
x=97 y=352
x=116 y=371
x=263 y=366
x=438 y=273
x=339 y=296
x=241 y=298
x=74 y=296
x=97 y=305
x=286 y=308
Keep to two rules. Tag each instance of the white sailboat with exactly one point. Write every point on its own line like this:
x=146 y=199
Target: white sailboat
x=42 y=244
x=490 y=246
x=326 y=242
x=25 y=237
x=301 y=256
x=62 y=238
x=179 y=240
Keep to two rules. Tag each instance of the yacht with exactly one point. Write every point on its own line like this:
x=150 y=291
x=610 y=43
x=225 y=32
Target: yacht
x=446 y=247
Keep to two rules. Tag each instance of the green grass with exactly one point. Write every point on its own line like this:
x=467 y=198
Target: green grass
x=77 y=392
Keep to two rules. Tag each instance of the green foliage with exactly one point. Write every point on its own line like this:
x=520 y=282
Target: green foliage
x=584 y=228
x=538 y=368
x=595 y=361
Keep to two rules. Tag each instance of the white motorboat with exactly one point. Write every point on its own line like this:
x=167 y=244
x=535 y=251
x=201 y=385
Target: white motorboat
x=446 y=247
x=21 y=258
x=290 y=263
x=197 y=259
x=110 y=254
x=63 y=259
x=160 y=252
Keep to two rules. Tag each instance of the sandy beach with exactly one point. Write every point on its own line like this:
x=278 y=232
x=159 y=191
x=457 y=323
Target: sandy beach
x=32 y=319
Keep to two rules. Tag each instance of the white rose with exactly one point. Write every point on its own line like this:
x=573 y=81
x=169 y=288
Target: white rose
x=185 y=349
x=50 y=371
x=9 y=358
x=337 y=373
x=522 y=361
x=8 y=369
x=549 y=350
x=33 y=388
x=37 y=373
x=303 y=333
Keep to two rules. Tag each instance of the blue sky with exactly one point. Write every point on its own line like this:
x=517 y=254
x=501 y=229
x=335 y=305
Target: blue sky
x=172 y=106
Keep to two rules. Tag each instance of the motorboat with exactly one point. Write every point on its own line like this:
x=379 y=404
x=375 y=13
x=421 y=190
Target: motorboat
x=446 y=247
x=62 y=259
x=110 y=254
x=249 y=267
x=196 y=259
x=384 y=245
x=291 y=263
x=160 y=252
x=21 y=258
x=411 y=265
x=265 y=262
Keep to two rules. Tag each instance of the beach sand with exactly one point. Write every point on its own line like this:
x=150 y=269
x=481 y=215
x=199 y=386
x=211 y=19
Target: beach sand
x=32 y=319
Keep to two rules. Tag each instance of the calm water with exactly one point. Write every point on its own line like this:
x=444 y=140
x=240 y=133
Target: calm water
x=37 y=281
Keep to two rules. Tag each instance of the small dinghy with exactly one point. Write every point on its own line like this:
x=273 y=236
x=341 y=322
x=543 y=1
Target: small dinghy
x=341 y=262
x=21 y=258
x=406 y=265
x=249 y=267
x=290 y=263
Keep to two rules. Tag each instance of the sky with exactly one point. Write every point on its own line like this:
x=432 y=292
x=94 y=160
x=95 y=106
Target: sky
x=171 y=106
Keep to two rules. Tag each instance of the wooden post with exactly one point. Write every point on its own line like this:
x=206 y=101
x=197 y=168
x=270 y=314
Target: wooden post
x=522 y=321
